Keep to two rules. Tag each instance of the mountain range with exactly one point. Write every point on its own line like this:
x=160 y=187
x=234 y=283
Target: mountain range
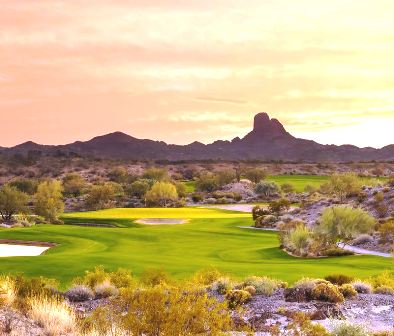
x=268 y=141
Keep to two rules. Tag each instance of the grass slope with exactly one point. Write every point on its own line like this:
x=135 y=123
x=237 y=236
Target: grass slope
x=211 y=238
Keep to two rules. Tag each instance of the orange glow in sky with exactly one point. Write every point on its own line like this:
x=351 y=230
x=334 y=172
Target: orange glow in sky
x=190 y=70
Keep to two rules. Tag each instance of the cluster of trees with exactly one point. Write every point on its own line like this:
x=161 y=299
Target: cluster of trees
x=47 y=201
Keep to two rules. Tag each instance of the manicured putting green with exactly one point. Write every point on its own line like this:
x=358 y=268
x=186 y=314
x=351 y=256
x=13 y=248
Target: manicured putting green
x=299 y=182
x=210 y=238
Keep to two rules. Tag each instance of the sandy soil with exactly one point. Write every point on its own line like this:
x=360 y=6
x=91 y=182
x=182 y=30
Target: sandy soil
x=161 y=221
x=11 y=250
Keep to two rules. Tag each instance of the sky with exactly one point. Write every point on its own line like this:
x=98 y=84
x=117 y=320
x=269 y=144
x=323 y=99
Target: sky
x=181 y=71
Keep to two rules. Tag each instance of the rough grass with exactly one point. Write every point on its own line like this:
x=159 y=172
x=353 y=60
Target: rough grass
x=181 y=250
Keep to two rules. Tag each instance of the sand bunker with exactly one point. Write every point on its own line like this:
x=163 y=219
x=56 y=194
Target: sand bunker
x=161 y=221
x=11 y=250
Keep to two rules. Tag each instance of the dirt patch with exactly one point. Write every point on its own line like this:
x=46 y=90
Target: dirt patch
x=26 y=243
x=161 y=221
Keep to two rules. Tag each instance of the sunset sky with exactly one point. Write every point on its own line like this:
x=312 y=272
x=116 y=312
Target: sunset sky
x=185 y=70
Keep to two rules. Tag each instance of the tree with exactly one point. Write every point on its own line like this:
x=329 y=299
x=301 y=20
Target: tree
x=207 y=182
x=344 y=223
x=266 y=189
x=49 y=200
x=121 y=175
x=343 y=185
x=161 y=194
x=101 y=196
x=139 y=188
x=12 y=201
x=73 y=184
x=224 y=177
x=255 y=174
x=26 y=185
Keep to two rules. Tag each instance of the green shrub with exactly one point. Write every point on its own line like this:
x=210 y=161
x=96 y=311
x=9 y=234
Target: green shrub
x=79 y=293
x=385 y=279
x=263 y=285
x=299 y=239
x=266 y=189
x=206 y=276
x=222 y=286
x=344 y=223
x=386 y=232
x=277 y=206
x=347 y=329
x=344 y=185
x=339 y=279
x=154 y=277
x=197 y=197
x=348 y=291
x=255 y=175
x=386 y=290
x=336 y=252
x=238 y=297
x=161 y=194
x=328 y=293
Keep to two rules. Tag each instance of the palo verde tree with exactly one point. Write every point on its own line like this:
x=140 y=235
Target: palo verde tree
x=12 y=201
x=48 y=200
x=161 y=194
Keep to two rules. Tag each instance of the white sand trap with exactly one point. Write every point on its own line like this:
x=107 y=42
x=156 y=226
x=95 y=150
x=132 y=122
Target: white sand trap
x=161 y=221
x=234 y=207
x=9 y=250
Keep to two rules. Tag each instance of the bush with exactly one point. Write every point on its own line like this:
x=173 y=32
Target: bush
x=79 y=293
x=156 y=174
x=278 y=206
x=206 y=276
x=255 y=175
x=101 y=196
x=336 y=252
x=347 y=329
x=48 y=200
x=386 y=290
x=266 y=189
x=328 y=293
x=385 y=279
x=154 y=277
x=197 y=197
x=121 y=278
x=105 y=290
x=344 y=185
x=53 y=315
x=386 y=232
x=224 y=177
x=73 y=184
x=238 y=297
x=299 y=239
x=222 y=286
x=12 y=201
x=263 y=285
x=258 y=211
x=7 y=291
x=339 y=279
x=344 y=223
x=161 y=194
x=348 y=291
x=139 y=188
x=362 y=287
x=207 y=182
x=265 y=221
x=250 y=289
x=287 y=188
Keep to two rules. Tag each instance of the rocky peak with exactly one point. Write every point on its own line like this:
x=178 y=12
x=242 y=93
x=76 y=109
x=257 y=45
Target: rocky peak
x=268 y=128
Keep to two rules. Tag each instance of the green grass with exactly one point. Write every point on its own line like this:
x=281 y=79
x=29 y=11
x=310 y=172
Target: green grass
x=211 y=238
x=299 y=182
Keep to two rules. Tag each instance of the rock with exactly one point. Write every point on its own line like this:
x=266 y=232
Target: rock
x=298 y=294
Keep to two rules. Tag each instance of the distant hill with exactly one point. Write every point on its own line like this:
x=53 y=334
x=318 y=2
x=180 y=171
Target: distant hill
x=267 y=141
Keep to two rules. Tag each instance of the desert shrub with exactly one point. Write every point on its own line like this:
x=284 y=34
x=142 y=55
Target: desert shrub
x=197 y=197
x=287 y=188
x=386 y=290
x=362 y=287
x=53 y=315
x=105 y=290
x=362 y=239
x=328 y=293
x=237 y=297
x=7 y=291
x=336 y=252
x=339 y=279
x=263 y=285
x=26 y=185
x=120 y=175
x=266 y=189
x=266 y=221
x=12 y=201
x=278 y=206
x=386 y=232
x=344 y=223
x=73 y=184
x=385 y=279
x=299 y=239
x=79 y=293
x=48 y=200
x=156 y=174
x=344 y=185
x=225 y=176
x=139 y=188
x=222 y=285
x=348 y=291
x=250 y=289
x=259 y=211
x=302 y=325
x=207 y=182
x=310 y=189
x=161 y=194
x=180 y=189
x=121 y=278
x=206 y=276
x=101 y=196
x=172 y=311
x=93 y=278
x=347 y=329
x=154 y=277
x=255 y=174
